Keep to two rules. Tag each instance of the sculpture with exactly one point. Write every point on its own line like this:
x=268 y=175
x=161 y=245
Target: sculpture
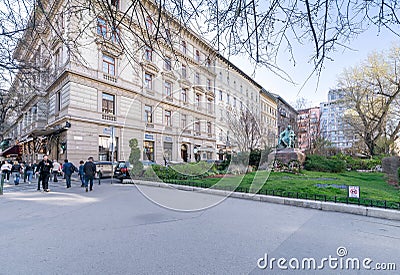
x=287 y=138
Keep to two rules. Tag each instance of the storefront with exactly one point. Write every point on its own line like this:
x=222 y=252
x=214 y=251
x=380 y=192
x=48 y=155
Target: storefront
x=148 y=147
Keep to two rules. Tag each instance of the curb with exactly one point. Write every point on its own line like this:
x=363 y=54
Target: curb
x=319 y=205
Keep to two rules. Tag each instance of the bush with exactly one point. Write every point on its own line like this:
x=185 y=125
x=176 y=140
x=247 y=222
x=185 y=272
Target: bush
x=358 y=163
x=184 y=171
x=137 y=166
x=324 y=164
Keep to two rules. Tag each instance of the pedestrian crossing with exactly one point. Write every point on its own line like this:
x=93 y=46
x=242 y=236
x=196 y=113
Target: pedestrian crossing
x=10 y=187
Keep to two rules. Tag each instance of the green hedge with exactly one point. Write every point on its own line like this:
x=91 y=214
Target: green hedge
x=324 y=164
x=358 y=163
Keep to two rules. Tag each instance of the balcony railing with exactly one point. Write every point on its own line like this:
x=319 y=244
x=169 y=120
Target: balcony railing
x=108 y=117
x=109 y=77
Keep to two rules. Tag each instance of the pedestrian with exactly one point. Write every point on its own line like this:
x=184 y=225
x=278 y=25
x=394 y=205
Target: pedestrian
x=89 y=168
x=29 y=172
x=16 y=171
x=44 y=168
x=3 y=168
x=6 y=170
x=56 y=170
x=34 y=169
x=81 y=173
x=68 y=168
x=23 y=164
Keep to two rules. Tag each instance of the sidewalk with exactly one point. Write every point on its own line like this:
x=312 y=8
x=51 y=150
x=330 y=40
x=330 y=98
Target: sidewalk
x=24 y=186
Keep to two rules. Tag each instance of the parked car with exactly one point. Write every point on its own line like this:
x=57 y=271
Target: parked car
x=104 y=168
x=121 y=170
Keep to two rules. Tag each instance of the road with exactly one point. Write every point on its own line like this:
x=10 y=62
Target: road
x=116 y=230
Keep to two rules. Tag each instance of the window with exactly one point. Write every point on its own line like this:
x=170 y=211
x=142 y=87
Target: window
x=241 y=89
x=184 y=71
x=108 y=65
x=148 y=114
x=197 y=126
x=184 y=95
x=184 y=47
x=183 y=121
x=234 y=102
x=149 y=24
x=101 y=27
x=167 y=63
x=148 y=152
x=220 y=95
x=228 y=98
x=209 y=106
x=167 y=115
x=58 y=101
x=108 y=104
x=168 y=89
x=209 y=127
x=148 y=81
x=208 y=63
x=57 y=59
x=168 y=36
x=149 y=54
x=115 y=34
x=115 y=3
x=208 y=84
x=197 y=78
x=197 y=100
x=197 y=56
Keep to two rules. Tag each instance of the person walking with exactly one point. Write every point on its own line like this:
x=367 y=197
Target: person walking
x=16 y=171
x=81 y=173
x=29 y=172
x=44 y=169
x=56 y=170
x=89 y=168
x=6 y=170
x=68 y=168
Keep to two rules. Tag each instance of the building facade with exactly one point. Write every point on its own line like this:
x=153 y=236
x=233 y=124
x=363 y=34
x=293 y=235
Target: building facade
x=286 y=115
x=167 y=91
x=332 y=125
x=308 y=127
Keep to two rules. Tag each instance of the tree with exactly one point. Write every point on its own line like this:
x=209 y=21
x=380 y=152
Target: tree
x=260 y=30
x=371 y=95
x=245 y=129
x=134 y=158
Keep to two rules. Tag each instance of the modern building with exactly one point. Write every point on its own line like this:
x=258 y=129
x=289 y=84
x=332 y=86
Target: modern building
x=308 y=127
x=332 y=126
x=91 y=99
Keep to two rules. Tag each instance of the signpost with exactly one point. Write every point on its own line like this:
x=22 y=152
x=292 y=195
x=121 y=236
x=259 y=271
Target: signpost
x=354 y=192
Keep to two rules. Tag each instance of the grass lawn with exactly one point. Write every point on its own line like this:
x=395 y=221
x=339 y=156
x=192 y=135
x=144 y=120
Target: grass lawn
x=307 y=184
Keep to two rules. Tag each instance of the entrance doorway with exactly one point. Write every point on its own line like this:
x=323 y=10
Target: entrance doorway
x=184 y=152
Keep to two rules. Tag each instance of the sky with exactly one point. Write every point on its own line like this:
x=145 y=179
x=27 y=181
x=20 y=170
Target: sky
x=313 y=91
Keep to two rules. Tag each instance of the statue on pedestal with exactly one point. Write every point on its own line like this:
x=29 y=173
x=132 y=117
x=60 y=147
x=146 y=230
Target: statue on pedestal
x=287 y=138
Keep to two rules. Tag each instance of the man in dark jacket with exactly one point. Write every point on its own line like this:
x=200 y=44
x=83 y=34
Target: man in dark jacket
x=89 y=169
x=68 y=168
x=43 y=170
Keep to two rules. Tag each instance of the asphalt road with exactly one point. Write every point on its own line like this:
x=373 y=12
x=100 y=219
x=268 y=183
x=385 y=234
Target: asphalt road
x=117 y=230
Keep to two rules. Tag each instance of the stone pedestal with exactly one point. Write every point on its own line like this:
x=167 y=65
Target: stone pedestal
x=286 y=155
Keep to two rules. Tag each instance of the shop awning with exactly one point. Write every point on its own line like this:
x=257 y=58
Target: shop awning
x=13 y=151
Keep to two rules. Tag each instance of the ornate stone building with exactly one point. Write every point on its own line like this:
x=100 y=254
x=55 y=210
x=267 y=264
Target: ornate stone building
x=133 y=80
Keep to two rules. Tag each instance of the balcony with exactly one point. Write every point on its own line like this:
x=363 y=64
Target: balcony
x=108 y=117
x=110 y=78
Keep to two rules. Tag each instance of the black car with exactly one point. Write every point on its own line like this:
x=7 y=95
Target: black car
x=121 y=171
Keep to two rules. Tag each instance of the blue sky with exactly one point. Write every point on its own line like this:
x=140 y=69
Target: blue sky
x=362 y=45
